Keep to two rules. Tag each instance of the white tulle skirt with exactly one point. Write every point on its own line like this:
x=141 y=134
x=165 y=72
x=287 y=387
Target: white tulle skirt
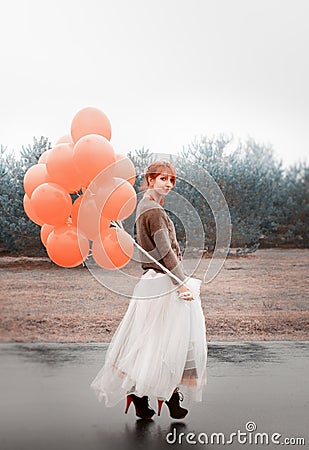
x=159 y=345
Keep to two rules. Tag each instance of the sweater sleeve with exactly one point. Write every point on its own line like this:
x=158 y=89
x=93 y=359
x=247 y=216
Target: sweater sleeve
x=159 y=231
x=167 y=256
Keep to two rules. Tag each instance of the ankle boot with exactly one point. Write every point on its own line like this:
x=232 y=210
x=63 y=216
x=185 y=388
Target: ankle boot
x=142 y=408
x=176 y=411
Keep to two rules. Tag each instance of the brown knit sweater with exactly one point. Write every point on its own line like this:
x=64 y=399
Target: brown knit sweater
x=156 y=234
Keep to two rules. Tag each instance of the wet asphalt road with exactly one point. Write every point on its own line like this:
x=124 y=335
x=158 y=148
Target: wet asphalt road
x=47 y=404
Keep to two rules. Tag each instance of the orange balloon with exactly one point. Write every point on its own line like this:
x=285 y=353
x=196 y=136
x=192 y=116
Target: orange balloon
x=86 y=216
x=61 y=168
x=35 y=175
x=117 y=199
x=113 y=249
x=102 y=179
x=102 y=190
x=43 y=157
x=67 y=248
x=124 y=168
x=91 y=155
x=121 y=168
x=30 y=211
x=45 y=232
x=104 y=224
x=90 y=121
x=51 y=203
x=66 y=139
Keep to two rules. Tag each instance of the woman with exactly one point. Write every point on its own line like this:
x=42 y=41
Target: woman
x=160 y=343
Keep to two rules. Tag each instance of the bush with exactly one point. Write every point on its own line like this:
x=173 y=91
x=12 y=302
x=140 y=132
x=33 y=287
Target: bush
x=268 y=206
x=18 y=234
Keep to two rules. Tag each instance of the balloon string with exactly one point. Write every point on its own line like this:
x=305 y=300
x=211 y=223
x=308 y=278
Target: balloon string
x=116 y=224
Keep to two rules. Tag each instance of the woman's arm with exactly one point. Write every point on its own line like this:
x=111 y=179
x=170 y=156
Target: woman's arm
x=166 y=254
x=160 y=234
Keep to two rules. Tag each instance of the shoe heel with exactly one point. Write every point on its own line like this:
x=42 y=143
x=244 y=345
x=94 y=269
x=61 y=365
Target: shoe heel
x=129 y=401
x=160 y=403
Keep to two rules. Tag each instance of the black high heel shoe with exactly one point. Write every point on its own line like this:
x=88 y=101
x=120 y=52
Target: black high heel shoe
x=142 y=408
x=176 y=411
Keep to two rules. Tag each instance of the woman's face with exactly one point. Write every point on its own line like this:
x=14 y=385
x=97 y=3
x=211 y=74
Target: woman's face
x=162 y=184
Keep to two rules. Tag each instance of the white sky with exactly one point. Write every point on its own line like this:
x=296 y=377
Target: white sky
x=164 y=71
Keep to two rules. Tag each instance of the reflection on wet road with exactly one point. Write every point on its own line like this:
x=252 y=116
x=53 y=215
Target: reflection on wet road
x=47 y=403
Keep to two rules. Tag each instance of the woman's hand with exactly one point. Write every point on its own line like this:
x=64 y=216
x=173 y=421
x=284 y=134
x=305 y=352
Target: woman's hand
x=185 y=293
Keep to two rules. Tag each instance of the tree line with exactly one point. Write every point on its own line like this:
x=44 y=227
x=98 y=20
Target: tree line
x=268 y=205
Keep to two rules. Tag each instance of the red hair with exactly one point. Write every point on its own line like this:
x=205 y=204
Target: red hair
x=157 y=168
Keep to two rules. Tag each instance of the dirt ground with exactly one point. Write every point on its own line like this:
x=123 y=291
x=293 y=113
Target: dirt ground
x=261 y=296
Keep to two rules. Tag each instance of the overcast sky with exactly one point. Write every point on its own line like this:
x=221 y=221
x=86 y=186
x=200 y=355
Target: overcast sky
x=164 y=71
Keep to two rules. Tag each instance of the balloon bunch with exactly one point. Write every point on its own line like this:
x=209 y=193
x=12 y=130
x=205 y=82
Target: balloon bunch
x=83 y=163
